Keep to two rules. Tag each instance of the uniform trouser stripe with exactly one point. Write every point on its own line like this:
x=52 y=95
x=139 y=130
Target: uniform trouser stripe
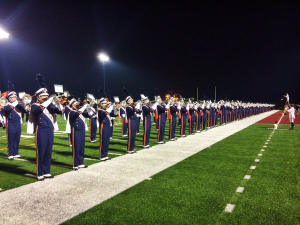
x=36 y=153
x=145 y=130
x=159 y=122
x=129 y=133
x=100 y=148
x=73 y=147
x=171 y=127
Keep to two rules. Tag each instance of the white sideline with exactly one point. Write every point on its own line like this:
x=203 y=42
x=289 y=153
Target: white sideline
x=67 y=195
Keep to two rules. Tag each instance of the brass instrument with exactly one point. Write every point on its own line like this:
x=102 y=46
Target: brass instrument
x=26 y=99
x=3 y=101
x=56 y=100
x=91 y=99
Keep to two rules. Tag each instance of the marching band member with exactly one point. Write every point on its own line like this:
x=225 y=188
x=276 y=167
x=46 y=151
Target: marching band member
x=131 y=117
x=122 y=114
x=155 y=116
x=146 y=109
x=191 y=118
x=66 y=112
x=204 y=115
x=211 y=115
x=105 y=125
x=218 y=114
x=198 y=118
x=2 y=118
x=78 y=126
x=13 y=113
x=92 y=114
x=223 y=114
x=113 y=115
x=138 y=119
x=42 y=114
x=162 y=117
x=235 y=110
x=173 y=119
x=183 y=114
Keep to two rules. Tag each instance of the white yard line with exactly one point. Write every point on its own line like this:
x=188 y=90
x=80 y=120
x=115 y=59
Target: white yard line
x=57 y=200
x=230 y=207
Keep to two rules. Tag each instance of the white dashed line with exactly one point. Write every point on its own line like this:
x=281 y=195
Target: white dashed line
x=264 y=146
x=91 y=159
x=229 y=208
x=19 y=159
x=240 y=190
x=252 y=167
x=247 y=177
x=29 y=175
x=256 y=160
x=260 y=154
x=114 y=153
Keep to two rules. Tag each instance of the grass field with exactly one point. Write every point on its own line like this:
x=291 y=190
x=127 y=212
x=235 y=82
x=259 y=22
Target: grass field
x=197 y=190
x=17 y=173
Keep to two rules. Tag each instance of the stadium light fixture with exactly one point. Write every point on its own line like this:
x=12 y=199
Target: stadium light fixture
x=103 y=57
x=3 y=34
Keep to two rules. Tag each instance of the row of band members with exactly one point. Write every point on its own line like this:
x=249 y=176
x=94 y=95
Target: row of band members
x=42 y=121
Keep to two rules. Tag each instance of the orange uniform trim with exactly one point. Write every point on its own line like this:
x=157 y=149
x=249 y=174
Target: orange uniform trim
x=90 y=129
x=100 y=148
x=129 y=135
x=73 y=147
x=145 y=130
x=169 y=114
x=171 y=128
x=159 y=121
x=7 y=144
x=36 y=152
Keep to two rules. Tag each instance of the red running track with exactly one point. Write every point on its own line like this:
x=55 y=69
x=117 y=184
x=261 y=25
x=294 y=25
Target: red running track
x=276 y=117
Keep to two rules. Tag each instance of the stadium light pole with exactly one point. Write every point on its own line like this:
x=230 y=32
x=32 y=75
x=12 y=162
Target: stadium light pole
x=103 y=58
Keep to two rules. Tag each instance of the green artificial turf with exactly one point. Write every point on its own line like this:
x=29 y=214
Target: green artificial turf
x=12 y=173
x=197 y=190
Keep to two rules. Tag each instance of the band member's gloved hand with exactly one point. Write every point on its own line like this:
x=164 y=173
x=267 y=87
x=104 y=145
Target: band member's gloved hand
x=178 y=107
x=14 y=104
x=109 y=109
x=138 y=105
x=155 y=106
x=83 y=108
x=91 y=111
x=168 y=105
x=48 y=102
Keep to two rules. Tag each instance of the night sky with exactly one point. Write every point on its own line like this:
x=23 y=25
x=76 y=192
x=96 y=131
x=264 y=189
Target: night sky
x=250 y=52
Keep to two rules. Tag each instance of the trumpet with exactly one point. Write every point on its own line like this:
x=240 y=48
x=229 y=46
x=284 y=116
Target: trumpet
x=3 y=101
x=91 y=99
x=56 y=100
